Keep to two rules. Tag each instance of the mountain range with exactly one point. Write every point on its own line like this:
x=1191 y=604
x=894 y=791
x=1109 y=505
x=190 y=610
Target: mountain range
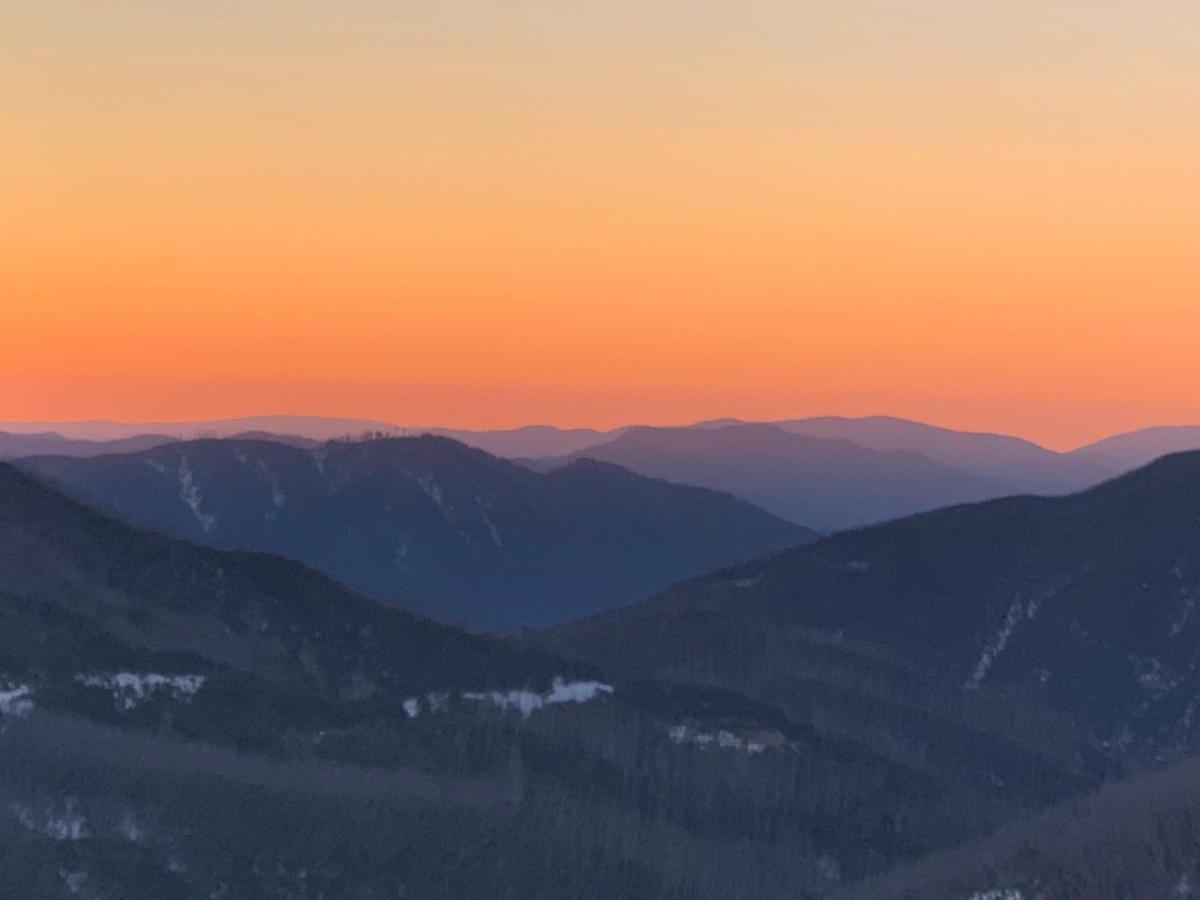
x=180 y=721
x=430 y=523
x=932 y=706
x=826 y=473
x=979 y=452
x=14 y=446
x=828 y=483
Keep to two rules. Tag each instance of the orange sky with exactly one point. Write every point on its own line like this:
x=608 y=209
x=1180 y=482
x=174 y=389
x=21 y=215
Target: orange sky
x=981 y=214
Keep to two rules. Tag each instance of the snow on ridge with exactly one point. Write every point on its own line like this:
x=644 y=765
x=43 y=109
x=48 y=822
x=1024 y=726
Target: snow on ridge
x=523 y=700
x=16 y=701
x=529 y=702
x=722 y=739
x=129 y=689
x=189 y=493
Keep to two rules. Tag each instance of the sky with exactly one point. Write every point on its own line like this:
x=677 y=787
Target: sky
x=977 y=213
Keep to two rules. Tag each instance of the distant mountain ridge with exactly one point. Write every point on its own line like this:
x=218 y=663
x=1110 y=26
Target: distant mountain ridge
x=428 y=522
x=13 y=446
x=831 y=483
x=1136 y=448
x=829 y=486
x=1028 y=466
x=314 y=427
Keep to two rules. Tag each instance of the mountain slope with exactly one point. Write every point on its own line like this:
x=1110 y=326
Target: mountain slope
x=1136 y=448
x=313 y=427
x=1138 y=840
x=826 y=483
x=428 y=522
x=1024 y=464
x=1066 y=627
x=180 y=721
x=70 y=572
x=48 y=443
x=530 y=441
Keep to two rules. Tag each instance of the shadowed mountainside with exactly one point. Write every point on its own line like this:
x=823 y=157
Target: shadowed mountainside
x=827 y=483
x=450 y=530
x=1065 y=627
x=180 y=721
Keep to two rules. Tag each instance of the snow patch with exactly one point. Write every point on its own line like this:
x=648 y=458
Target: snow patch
x=1153 y=676
x=493 y=530
x=130 y=689
x=528 y=702
x=278 y=497
x=1186 y=610
x=722 y=740
x=998 y=894
x=73 y=881
x=189 y=493
x=412 y=707
x=576 y=691
x=61 y=822
x=485 y=506
x=131 y=828
x=16 y=701
x=995 y=646
x=433 y=491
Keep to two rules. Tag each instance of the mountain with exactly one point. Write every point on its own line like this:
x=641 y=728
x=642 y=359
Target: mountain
x=181 y=721
x=1066 y=627
x=1136 y=839
x=1136 y=448
x=511 y=443
x=1024 y=464
x=444 y=528
x=83 y=590
x=48 y=443
x=313 y=427
x=531 y=441
x=825 y=483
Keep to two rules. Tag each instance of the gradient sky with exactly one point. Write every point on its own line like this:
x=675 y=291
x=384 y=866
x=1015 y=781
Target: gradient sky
x=983 y=214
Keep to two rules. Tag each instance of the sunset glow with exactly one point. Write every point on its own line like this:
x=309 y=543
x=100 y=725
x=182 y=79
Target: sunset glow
x=483 y=214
